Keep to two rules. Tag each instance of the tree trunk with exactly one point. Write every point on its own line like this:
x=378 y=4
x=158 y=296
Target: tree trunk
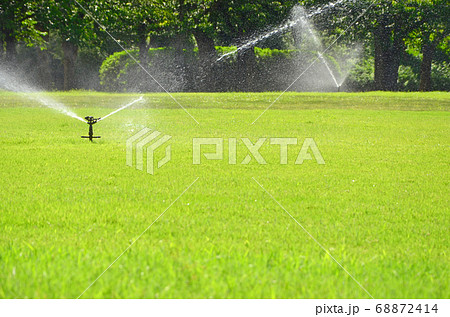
x=246 y=69
x=44 y=69
x=44 y=63
x=70 y=52
x=143 y=82
x=206 y=56
x=143 y=53
x=392 y=63
x=379 y=64
x=388 y=54
x=381 y=37
x=183 y=71
x=11 y=51
x=143 y=46
x=183 y=50
x=428 y=50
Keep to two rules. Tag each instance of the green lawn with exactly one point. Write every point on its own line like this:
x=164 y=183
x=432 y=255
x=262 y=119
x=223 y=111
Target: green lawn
x=380 y=204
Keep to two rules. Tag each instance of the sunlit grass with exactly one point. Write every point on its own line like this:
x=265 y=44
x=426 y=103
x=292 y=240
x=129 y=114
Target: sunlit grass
x=379 y=204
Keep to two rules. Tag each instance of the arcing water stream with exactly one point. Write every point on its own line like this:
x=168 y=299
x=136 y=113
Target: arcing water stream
x=251 y=43
x=301 y=16
x=12 y=83
x=123 y=107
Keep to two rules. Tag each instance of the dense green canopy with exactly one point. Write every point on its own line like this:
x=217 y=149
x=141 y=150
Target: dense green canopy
x=391 y=32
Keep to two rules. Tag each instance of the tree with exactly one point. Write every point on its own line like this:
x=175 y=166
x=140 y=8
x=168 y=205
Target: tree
x=139 y=22
x=134 y=24
x=68 y=20
x=17 y=23
x=383 y=26
x=241 y=20
x=433 y=29
x=193 y=19
x=389 y=30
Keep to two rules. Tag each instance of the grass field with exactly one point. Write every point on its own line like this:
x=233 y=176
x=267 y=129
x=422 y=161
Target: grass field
x=380 y=204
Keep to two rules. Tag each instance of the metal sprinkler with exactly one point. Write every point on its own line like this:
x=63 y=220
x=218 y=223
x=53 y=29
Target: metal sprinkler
x=91 y=121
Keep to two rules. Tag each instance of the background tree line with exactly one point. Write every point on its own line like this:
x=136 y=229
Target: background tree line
x=61 y=45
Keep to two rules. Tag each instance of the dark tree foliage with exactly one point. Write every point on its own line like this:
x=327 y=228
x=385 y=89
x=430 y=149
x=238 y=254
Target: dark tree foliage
x=389 y=30
x=432 y=31
x=17 y=23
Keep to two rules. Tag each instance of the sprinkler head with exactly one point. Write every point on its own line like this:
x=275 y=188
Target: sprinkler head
x=339 y=89
x=91 y=121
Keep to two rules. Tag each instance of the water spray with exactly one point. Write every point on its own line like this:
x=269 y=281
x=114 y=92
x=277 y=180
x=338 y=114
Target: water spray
x=280 y=29
x=91 y=121
x=121 y=108
x=13 y=82
x=324 y=61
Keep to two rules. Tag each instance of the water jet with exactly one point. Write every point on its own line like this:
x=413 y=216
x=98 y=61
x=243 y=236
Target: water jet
x=281 y=28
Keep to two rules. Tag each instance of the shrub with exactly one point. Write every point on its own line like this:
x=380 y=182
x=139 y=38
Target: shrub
x=263 y=54
x=114 y=69
x=361 y=77
x=440 y=76
x=119 y=72
x=274 y=70
x=408 y=80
